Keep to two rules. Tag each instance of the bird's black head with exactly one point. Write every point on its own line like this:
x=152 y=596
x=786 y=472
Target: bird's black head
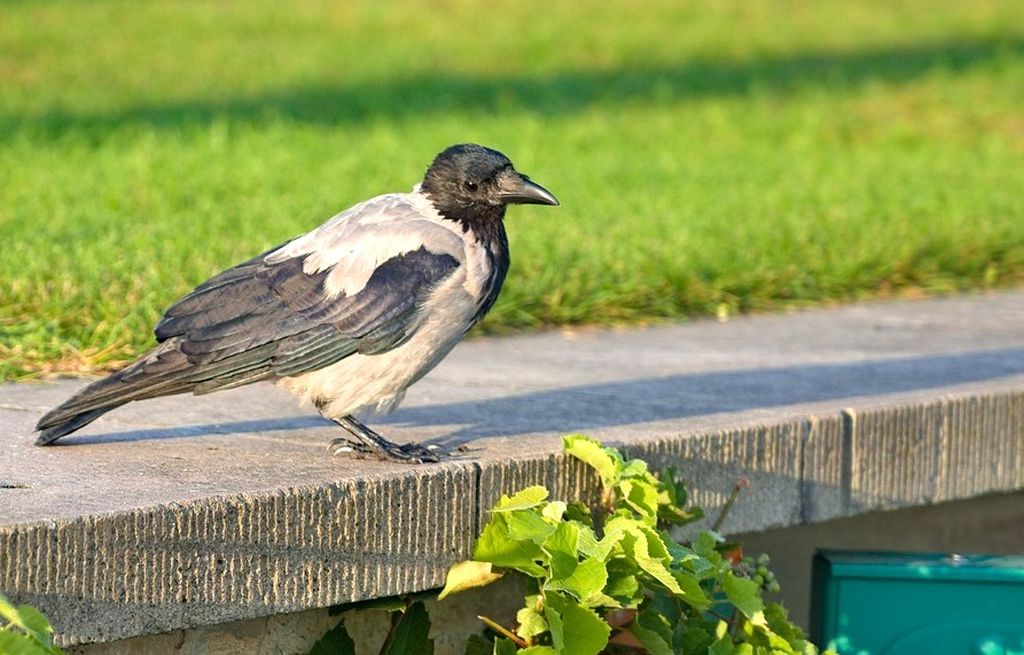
x=472 y=184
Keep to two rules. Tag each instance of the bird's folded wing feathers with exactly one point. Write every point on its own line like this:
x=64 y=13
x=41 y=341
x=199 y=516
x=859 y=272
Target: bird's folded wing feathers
x=311 y=302
x=356 y=284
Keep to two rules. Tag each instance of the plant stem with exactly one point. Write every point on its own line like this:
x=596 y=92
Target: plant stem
x=743 y=483
x=500 y=629
x=391 y=631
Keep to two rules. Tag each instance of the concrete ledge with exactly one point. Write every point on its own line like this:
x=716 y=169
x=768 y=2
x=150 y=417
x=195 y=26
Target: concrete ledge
x=183 y=512
x=154 y=569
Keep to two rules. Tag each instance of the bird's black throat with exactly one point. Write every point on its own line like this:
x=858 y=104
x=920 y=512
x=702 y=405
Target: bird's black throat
x=484 y=220
x=487 y=226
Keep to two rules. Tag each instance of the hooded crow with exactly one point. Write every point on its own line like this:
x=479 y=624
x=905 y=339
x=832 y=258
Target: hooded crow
x=346 y=316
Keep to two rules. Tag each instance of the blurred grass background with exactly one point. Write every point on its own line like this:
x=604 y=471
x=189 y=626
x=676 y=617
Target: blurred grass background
x=711 y=157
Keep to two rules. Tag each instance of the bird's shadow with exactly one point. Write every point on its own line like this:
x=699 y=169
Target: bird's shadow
x=200 y=430
x=628 y=402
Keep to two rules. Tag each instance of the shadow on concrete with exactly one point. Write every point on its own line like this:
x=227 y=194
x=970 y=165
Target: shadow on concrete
x=594 y=406
x=200 y=430
x=565 y=92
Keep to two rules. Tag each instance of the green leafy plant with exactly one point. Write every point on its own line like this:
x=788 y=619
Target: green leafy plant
x=615 y=581
x=409 y=632
x=24 y=631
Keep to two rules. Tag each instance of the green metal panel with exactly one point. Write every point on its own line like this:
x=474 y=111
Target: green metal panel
x=918 y=604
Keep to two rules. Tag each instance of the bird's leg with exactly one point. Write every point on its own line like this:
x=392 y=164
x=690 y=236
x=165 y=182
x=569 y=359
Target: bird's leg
x=369 y=443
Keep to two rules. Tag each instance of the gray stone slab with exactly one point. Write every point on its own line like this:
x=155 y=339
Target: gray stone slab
x=111 y=576
x=565 y=477
x=894 y=455
x=825 y=468
x=187 y=511
x=766 y=457
x=982 y=451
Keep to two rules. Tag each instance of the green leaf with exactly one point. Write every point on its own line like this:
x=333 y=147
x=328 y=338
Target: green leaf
x=771 y=629
x=589 y=545
x=743 y=593
x=561 y=549
x=690 y=591
x=666 y=605
x=778 y=620
x=775 y=642
x=35 y=624
x=653 y=631
x=478 y=644
x=528 y=525
x=636 y=469
x=8 y=612
x=16 y=643
x=704 y=544
x=684 y=558
x=624 y=587
x=504 y=646
x=694 y=635
x=554 y=620
x=587 y=579
x=675 y=489
x=642 y=497
x=531 y=618
x=723 y=644
x=646 y=548
x=656 y=544
x=335 y=642
x=28 y=619
x=496 y=546
x=531 y=622
x=466 y=575
x=606 y=461
x=673 y=515
x=577 y=511
x=554 y=511
x=525 y=499
x=603 y=601
x=538 y=650
x=575 y=629
x=411 y=634
x=672 y=499
x=38 y=631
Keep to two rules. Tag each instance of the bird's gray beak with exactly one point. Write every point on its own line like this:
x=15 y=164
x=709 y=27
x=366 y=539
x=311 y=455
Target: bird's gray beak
x=518 y=189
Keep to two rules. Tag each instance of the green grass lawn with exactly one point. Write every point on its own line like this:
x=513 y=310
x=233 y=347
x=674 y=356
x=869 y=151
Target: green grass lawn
x=714 y=156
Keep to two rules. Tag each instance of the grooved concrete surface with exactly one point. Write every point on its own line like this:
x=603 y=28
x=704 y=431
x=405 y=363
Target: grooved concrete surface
x=189 y=511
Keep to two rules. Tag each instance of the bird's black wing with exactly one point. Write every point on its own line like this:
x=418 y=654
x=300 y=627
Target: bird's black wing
x=264 y=319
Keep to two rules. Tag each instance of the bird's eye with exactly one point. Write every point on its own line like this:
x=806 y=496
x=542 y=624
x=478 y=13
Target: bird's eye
x=470 y=186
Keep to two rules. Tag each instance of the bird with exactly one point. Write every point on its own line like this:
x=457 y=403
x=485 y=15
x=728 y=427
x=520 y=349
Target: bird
x=346 y=316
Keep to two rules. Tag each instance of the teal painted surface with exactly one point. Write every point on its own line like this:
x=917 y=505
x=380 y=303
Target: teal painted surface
x=910 y=604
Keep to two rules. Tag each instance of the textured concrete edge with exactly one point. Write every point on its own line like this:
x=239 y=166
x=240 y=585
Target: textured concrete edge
x=813 y=467
x=155 y=569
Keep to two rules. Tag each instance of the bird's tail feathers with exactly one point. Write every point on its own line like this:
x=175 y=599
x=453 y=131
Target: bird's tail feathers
x=154 y=374
x=61 y=428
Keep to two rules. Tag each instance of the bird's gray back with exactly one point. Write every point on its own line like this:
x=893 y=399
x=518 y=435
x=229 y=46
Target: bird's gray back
x=355 y=284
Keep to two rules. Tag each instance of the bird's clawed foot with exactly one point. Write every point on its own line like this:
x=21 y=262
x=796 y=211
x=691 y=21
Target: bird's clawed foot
x=368 y=444
x=410 y=453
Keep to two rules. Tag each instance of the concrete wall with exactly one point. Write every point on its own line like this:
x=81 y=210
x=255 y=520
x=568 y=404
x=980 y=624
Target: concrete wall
x=452 y=622
x=990 y=525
